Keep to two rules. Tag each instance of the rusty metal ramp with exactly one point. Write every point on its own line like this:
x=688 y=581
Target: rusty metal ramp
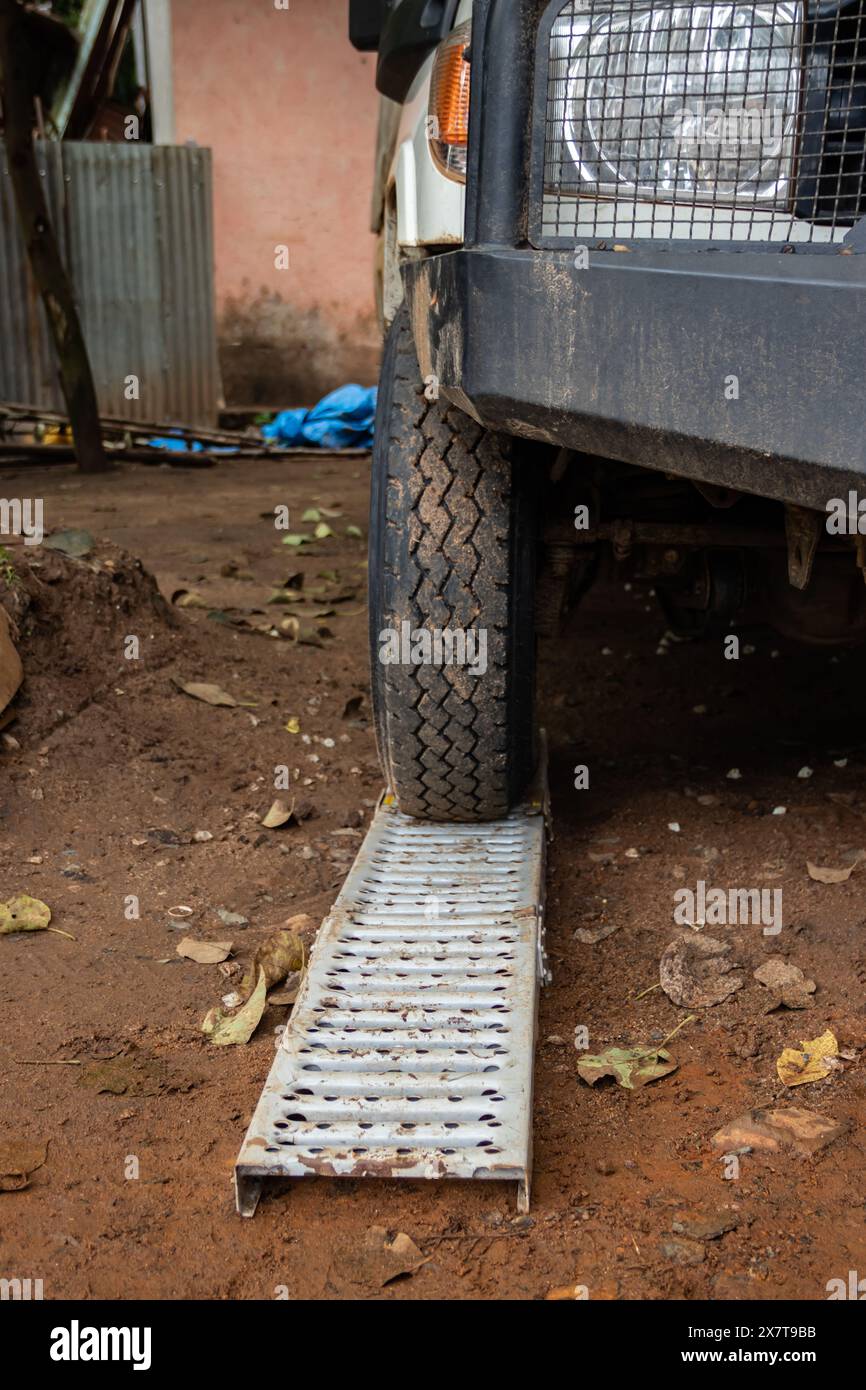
x=409 y=1052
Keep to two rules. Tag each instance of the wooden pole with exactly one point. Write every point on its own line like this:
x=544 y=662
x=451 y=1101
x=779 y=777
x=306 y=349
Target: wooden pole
x=19 y=70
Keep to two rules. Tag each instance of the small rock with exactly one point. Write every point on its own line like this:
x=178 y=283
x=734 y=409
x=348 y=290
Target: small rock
x=768 y=1131
x=232 y=919
x=704 y=1227
x=682 y=1251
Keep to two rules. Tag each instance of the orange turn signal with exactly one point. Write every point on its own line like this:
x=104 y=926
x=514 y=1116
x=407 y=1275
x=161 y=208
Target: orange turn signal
x=448 y=120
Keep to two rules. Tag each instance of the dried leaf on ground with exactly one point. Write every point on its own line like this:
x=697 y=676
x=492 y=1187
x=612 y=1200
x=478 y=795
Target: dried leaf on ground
x=23 y=913
x=631 y=1067
x=767 y=1131
x=225 y=1030
x=287 y=995
x=133 y=1074
x=812 y=1061
x=18 y=1161
x=694 y=971
x=74 y=543
x=786 y=984
x=189 y=598
x=280 y=955
x=378 y=1260
x=827 y=874
x=591 y=936
x=280 y=813
x=203 y=690
x=204 y=952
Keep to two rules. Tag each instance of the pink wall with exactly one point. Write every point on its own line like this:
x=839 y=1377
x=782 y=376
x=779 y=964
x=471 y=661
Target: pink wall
x=289 y=109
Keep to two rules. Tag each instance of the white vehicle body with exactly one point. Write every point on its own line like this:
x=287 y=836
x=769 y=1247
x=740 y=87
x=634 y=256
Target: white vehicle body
x=415 y=205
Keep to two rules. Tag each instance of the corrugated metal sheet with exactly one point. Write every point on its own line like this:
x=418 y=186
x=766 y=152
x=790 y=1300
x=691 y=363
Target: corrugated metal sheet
x=135 y=225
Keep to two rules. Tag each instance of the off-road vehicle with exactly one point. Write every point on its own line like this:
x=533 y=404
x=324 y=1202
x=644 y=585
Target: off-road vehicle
x=622 y=275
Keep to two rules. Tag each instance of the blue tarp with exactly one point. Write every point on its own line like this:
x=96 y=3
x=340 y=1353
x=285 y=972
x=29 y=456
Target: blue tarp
x=341 y=420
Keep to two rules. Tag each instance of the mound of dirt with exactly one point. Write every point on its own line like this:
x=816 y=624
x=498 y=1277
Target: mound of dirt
x=78 y=625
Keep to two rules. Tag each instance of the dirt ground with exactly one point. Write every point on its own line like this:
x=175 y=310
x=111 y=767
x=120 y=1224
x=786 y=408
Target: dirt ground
x=115 y=772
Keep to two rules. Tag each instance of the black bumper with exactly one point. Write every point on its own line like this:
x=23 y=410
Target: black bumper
x=744 y=369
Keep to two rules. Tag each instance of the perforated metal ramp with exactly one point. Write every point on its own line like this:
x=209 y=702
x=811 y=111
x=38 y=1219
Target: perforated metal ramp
x=409 y=1052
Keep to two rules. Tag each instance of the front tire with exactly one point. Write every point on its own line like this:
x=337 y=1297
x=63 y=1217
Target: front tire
x=452 y=550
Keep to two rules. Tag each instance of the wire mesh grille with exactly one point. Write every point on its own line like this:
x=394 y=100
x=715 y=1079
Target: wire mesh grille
x=719 y=121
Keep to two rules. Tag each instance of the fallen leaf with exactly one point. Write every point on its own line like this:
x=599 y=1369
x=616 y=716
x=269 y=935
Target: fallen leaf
x=74 y=543
x=18 y=1161
x=787 y=985
x=312 y=514
x=379 y=1259
x=286 y=996
x=631 y=1067
x=133 y=1074
x=767 y=1131
x=322 y=531
x=279 y=814
x=285 y=596
x=23 y=914
x=829 y=875
x=279 y=955
x=203 y=690
x=591 y=936
x=293 y=725
x=694 y=971
x=188 y=598
x=226 y=1030
x=354 y=531
x=204 y=952
x=811 y=1062
x=296 y=541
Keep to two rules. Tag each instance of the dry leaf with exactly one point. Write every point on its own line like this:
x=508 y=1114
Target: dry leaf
x=278 y=956
x=210 y=694
x=378 y=1260
x=631 y=1067
x=694 y=971
x=225 y=1030
x=812 y=1062
x=279 y=814
x=770 y=1130
x=830 y=875
x=786 y=983
x=18 y=1160
x=189 y=598
x=204 y=952
x=23 y=914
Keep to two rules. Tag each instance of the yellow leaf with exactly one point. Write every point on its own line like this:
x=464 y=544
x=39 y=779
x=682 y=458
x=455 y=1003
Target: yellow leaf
x=23 y=914
x=808 y=1063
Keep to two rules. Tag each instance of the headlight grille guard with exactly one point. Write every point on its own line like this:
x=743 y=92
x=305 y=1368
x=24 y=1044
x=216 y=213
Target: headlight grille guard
x=699 y=124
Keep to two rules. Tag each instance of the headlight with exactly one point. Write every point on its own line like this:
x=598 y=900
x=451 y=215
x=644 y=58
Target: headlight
x=448 y=112
x=675 y=101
